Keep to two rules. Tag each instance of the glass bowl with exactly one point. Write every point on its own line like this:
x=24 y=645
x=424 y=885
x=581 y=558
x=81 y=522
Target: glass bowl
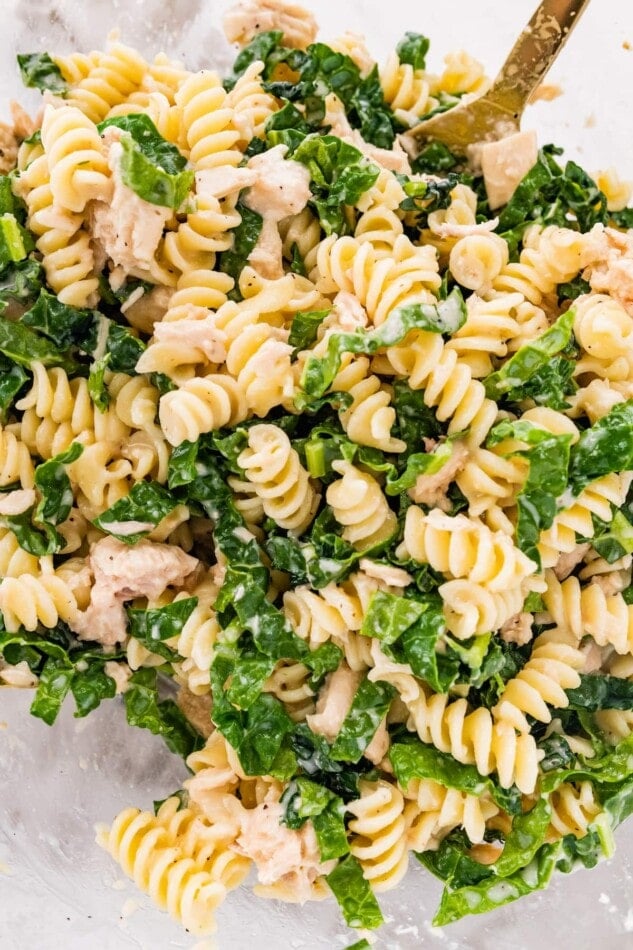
x=57 y=888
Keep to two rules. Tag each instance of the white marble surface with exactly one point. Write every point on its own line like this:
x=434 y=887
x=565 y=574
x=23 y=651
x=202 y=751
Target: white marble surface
x=57 y=889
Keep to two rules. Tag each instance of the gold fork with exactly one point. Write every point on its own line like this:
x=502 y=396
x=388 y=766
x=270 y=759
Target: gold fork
x=498 y=112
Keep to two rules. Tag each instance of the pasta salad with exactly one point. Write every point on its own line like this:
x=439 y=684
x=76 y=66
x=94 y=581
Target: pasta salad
x=316 y=447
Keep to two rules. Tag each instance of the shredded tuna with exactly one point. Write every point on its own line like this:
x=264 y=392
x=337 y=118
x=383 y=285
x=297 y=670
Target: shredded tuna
x=448 y=229
x=280 y=188
x=223 y=181
x=8 y=148
x=518 y=629
x=348 y=312
x=612 y=583
x=392 y=576
x=334 y=702
x=23 y=125
x=608 y=263
x=120 y=673
x=567 y=562
x=395 y=159
x=149 y=309
x=280 y=854
x=122 y=572
x=505 y=163
x=431 y=490
x=198 y=331
x=126 y=228
x=18 y=501
x=250 y=17
x=379 y=745
x=593 y=656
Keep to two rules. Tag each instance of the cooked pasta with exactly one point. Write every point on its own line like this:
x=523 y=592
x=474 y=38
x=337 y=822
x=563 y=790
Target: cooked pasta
x=283 y=485
x=292 y=426
x=378 y=834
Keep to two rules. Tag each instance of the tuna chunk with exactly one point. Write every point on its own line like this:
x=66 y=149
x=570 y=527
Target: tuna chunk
x=245 y=20
x=334 y=702
x=431 y=490
x=505 y=163
x=199 y=332
x=280 y=854
x=127 y=229
x=121 y=573
x=281 y=188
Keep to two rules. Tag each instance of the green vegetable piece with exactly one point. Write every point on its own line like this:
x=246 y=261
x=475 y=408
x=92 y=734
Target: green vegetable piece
x=96 y=384
x=304 y=328
x=245 y=237
x=40 y=72
x=549 y=386
x=369 y=707
x=150 y=166
x=162 y=717
x=601 y=691
x=65 y=325
x=447 y=316
x=143 y=131
x=354 y=895
x=53 y=484
x=548 y=194
x=35 y=528
x=12 y=379
x=412 y=49
x=612 y=539
x=419 y=646
x=606 y=771
x=413 y=759
x=388 y=616
x=19 y=282
x=149 y=181
x=491 y=893
x=134 y=516
x=21 y=345
x=531 y=358
x=90 y=686
x=303 y=800
x=339 y=174
x=525 y=838
x=419 y=464
x=12 y=247
x=606 y=447
x=248 y=678
x=152 y=627
x=53 y=687
x=257 y=733
x=538 y=500
x=260 y=48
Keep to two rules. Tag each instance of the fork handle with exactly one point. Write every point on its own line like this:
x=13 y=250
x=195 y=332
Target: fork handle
x=534 y=52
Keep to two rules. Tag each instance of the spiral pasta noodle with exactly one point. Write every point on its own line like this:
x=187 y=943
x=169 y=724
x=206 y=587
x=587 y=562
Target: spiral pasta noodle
x=359 y=505
x=432 y=811
x=28 y=600
x=76 y=158
x=381 y=284
x=551 y=670
x=378 y=834
x=272 y=465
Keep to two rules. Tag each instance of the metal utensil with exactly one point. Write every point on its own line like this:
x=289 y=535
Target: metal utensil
x=498 y=112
